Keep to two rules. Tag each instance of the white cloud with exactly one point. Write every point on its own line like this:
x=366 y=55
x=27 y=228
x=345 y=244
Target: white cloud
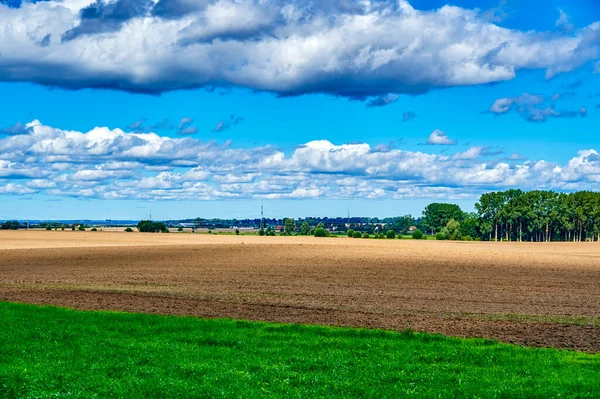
x=114 y=164
x=437 y=137
x=349 y=48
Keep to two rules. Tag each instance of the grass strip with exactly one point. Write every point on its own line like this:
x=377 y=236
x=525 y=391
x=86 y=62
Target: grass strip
x=49 y=352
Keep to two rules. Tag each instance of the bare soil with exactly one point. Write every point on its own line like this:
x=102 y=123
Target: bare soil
x=529 y=294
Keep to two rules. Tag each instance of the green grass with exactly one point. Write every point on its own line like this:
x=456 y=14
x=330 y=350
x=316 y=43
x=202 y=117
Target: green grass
x=48 y=352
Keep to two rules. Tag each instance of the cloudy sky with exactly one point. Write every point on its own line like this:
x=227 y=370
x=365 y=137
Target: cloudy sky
x=113 y=108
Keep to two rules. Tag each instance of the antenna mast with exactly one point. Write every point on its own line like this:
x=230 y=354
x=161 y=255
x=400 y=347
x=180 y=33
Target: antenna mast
x=262 y=215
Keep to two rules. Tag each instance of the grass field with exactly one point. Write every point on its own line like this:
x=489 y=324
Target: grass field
x=48 y=352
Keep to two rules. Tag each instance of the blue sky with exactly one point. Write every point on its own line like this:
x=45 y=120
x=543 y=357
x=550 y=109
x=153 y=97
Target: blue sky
x=414 y=102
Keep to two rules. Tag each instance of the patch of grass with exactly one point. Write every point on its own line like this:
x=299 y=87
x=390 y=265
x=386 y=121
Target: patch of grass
x=48 y=352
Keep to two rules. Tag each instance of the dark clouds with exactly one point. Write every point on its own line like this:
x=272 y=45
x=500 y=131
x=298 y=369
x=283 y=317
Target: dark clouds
x=356 y=49
x=103 y=16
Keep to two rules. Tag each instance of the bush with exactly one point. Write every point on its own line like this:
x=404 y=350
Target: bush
x=467 y=238
x=417 y=234
x=365 y=235
x=391 y=234
x=81 y=228
x=129 y=230
x=237 y=232
x=381 y=236
x=261 y=232
x=48 y=228
x=321 y=232
x=356 y=234
x=73 y=228
x=94 y=229
x=180 y=229
x=62 y=228
x=441 y=236
x=350 y=233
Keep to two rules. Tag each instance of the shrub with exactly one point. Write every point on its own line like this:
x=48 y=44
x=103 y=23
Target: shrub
x=365 y=235
x=350 y=233
x=237 y=232
x=261 y=232
x=62 y=228
x=94 y=229
x=48 y=228
x=180 y=229
x=129 y=230
x=381 y=236
x=356 y=234
x=441 y=236
x=321 y=232
x=73 y=228
x=467 y=238
x=391 y=234
x=81 y=228
x=417 y=234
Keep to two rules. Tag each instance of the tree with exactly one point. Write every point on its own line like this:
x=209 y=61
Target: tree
x=350 y=233
x=356 y=234
x=10 y=225
x=304 y=228
x=289 y=226
x=237 y=232
x=148 y=226
x=261 y=232
x=437 y=215
x=453 y=230
x=365 y=235
x=391 y=234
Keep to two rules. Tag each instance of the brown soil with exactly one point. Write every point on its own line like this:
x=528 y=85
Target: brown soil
x=529 y=294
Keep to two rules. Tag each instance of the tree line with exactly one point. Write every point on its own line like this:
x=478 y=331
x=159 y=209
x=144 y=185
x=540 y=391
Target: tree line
x=516 y=215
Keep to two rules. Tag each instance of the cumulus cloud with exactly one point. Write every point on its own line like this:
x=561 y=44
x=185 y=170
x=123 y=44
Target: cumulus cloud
x=114 y=164
x=437 y=137
x=353 y=48
x=535 y=108
x=226 y=124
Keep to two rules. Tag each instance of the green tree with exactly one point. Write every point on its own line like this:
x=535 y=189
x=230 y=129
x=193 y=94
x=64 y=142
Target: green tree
x=305 y=228
x=453 y=230
x=289 y=226
x=350 y=233
x=148 y=226
x=391 y=234
x=437 y=215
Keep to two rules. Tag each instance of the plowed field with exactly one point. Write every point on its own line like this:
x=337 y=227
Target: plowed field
x=530 y=294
